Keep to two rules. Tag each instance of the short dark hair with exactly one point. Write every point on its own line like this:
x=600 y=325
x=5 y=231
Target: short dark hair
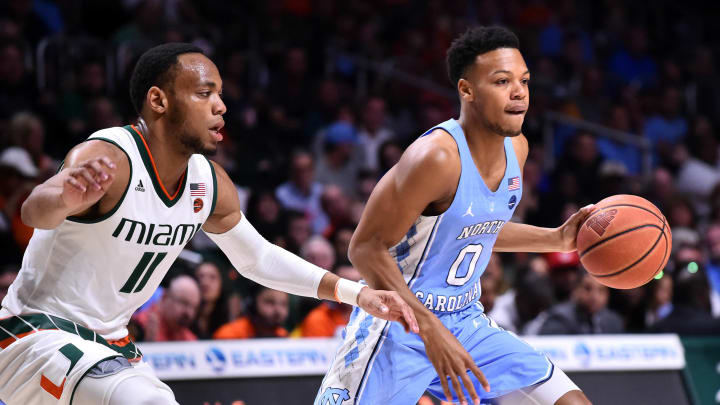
x=156 y=67
x=476 y=41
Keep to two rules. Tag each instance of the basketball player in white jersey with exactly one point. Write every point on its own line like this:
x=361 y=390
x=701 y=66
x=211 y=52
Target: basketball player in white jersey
x=110 y=224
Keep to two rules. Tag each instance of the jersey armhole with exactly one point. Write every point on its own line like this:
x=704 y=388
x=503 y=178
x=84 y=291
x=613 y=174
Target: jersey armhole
x=107 y=215
x=214 y=183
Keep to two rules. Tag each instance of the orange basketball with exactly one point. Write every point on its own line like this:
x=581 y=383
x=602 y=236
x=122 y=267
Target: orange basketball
x=625 y=242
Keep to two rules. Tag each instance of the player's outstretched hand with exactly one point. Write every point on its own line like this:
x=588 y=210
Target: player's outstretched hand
x=86 y=184
x=452 y=361
x=389 y=306
x=569 y=230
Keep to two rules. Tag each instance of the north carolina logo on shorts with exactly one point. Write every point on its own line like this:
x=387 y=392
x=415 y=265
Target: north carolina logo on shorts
x=197 y=204
x=333 y=396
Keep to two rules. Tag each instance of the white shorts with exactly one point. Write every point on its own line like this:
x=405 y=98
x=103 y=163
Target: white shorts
x=43 y=358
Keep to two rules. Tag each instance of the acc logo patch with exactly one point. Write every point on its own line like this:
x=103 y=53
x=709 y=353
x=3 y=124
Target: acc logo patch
x=512 y=202
x=333 y=396
x=601 y=221
x=216 y=359
x=198 y=204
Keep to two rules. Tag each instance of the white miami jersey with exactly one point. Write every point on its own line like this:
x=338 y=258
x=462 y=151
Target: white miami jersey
x=98 y=272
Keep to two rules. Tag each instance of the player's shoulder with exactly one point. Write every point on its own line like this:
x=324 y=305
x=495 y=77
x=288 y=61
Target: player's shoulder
x=435 y=152
x=522 y=148
x=105 y=142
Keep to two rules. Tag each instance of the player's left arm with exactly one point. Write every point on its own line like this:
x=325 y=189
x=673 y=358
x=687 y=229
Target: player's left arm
x=516 y=237
x=263 y=262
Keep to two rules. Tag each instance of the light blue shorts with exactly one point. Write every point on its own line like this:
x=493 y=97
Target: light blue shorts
x=379 y=363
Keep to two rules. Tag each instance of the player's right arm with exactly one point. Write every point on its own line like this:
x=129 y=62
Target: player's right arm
x=91 y=182
x=426 y=175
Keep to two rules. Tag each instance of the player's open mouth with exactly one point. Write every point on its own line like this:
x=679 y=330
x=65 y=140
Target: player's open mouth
x=215 y=131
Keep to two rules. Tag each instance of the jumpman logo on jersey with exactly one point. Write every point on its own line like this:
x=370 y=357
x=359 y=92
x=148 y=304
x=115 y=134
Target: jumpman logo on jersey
x=469 y=211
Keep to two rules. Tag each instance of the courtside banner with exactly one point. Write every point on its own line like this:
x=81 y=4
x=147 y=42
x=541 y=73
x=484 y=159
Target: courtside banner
x=612 y=352
x=298 y=357
x=239 y=358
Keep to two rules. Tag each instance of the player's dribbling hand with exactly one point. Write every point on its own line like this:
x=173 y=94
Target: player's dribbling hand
x=389 y=306
x=569 y=230
x=87 y=183
x=451 y=360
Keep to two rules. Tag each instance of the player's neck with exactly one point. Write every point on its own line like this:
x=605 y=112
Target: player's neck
x=170 y=159
x=485 y=145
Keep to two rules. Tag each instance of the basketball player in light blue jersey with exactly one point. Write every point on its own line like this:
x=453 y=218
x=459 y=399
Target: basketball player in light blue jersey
x=428 y=231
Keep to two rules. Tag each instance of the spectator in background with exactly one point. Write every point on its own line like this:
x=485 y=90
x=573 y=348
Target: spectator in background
x=712 y=267
x=586 y=312
x=564 y=270
x=698 y=173
x=341 y=159
x=8 y=273
x=388 y=156
x=18 y=176
x=318 y=251
x=170 y=319
x=302 y=193
x=633 y=63
x=691 y=304
x=291 y=90
x=266 y=309
x=683 y=221
x=489 y=287
x=341 y=244
x=74 y=103
x=661 y=189
x=17 y=90
x=329 y=318
x=668 y=127
x=28 y=132
x=660 y=294
x=337 y=206
x=517 y=309
x=298 y=231
x=265 y=213
x=213 y=312
x=373 y=132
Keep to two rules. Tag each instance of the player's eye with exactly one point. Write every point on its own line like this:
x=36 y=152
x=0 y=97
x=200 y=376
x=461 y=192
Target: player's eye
x=525 y=81
x=501 y=81
x=204 y=94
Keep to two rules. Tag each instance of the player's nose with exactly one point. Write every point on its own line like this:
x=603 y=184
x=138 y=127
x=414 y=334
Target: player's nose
x=219 y=107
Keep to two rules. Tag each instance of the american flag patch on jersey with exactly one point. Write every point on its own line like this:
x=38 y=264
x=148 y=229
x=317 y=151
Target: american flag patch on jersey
x=197 y=189
x=514 y=183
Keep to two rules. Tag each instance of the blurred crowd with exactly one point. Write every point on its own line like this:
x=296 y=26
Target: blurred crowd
x=323 y=97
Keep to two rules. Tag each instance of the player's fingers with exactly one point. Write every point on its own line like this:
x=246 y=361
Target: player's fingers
x=458 y=389
x=100 y=174
x=480 y=376
x=85 y=175
x=409 y=316
x=380 y=305
x=107 y=162
x=445 y=387
x=470 y=387
x=76 y=184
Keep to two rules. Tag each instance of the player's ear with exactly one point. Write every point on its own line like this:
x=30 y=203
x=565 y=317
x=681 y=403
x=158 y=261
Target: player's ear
x=157 y=100
x=465 y=90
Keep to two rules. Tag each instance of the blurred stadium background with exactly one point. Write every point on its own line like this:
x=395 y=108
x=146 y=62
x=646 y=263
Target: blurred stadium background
x=323 y=96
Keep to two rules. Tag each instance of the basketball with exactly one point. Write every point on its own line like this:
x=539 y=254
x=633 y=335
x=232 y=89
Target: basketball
x=625 y=242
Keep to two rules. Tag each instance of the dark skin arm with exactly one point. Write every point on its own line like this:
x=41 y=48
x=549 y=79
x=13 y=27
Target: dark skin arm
x=426 y=176
x=383 y=304
x=92 y=181
x=516 y=237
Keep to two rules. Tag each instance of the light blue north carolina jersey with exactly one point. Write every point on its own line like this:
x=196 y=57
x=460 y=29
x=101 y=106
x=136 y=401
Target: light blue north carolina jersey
x=442 y=257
